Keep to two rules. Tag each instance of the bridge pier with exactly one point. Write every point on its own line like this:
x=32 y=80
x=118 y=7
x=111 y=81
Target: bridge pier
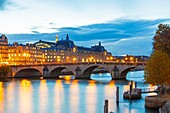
x=79 y=74
x=46 y=72
x=115 y=73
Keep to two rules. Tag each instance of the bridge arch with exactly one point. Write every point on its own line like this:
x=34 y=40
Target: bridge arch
x=28 y=72
x=56 y=72
x=125 y=71
x=88 y=71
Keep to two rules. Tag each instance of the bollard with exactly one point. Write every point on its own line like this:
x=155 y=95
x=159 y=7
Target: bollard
x=106 y=106
x=117 y=95
x=132 y=84
x=135 y=85
x=130 y=91
x=104 y=109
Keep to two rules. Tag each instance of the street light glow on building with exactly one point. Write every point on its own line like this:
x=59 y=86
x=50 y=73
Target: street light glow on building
x=59 y=51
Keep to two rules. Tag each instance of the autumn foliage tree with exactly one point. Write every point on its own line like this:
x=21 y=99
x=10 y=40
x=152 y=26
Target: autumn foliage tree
x=4 y=70
x=157 y=70
x=161 y=40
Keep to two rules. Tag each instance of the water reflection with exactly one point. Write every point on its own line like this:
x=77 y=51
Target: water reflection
x=110 y=91
x=91 y=94
x=67 y=77
x=10 y=93
x=25 y=97
x=66 y=96
x=101 y=77
x=1 y=92
x=74 y=94
x=58 y=96
x=43 y=96
x=1 y=97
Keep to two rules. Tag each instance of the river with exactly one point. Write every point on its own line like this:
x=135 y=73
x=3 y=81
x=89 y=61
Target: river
x=70 y=96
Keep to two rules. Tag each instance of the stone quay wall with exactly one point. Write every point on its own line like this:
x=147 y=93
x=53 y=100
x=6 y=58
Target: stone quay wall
x=154 y=102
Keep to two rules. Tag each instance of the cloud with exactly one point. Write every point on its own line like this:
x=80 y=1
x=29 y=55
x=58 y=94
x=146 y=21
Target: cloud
x=76 y=13
x=119 y=37
x=10 y=5
x=23 y=38
x=3 y=3
x=133 y=46
x=36 y=32
x=51 y=23
x=118 y=29
x=35 y=27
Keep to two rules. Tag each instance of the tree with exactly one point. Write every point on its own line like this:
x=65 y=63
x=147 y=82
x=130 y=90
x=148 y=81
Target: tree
x=4 y=70
x=157 y=70
x=161 y=40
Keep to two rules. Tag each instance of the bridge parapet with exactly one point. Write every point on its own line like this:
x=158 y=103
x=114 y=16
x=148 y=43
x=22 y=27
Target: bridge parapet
x=80 y=70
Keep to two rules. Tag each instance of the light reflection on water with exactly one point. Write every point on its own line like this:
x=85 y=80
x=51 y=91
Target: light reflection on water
x=43 y=96
x=25 y=96
x=74 y=93
x=1 y=97
x=66 y=96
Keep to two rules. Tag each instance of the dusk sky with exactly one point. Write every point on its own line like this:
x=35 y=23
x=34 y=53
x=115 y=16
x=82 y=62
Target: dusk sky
x=123 y=26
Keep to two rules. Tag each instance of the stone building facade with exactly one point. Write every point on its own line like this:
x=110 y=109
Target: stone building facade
x=20 y=54
x=66 y=51
x=3 y=50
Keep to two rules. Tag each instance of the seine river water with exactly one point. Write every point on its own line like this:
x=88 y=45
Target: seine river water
x=70 y=96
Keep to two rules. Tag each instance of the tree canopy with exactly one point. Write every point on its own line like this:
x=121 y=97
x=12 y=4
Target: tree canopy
x=4 y=70
x=161 y=40
x=157 y=70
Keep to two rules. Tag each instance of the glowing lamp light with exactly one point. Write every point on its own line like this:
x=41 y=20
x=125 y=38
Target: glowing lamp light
x=111 y=58
x=24 y=54
x=131 y=58
x=74 y=59
x=123 y=61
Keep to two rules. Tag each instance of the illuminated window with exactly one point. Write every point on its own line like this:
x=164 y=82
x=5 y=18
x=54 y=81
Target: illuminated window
x=83 y=60
x=105 y=53
x=74 y=49
x=74 y=59
x=58 y=59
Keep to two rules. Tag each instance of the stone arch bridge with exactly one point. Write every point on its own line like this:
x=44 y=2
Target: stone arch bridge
x=80 y=70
